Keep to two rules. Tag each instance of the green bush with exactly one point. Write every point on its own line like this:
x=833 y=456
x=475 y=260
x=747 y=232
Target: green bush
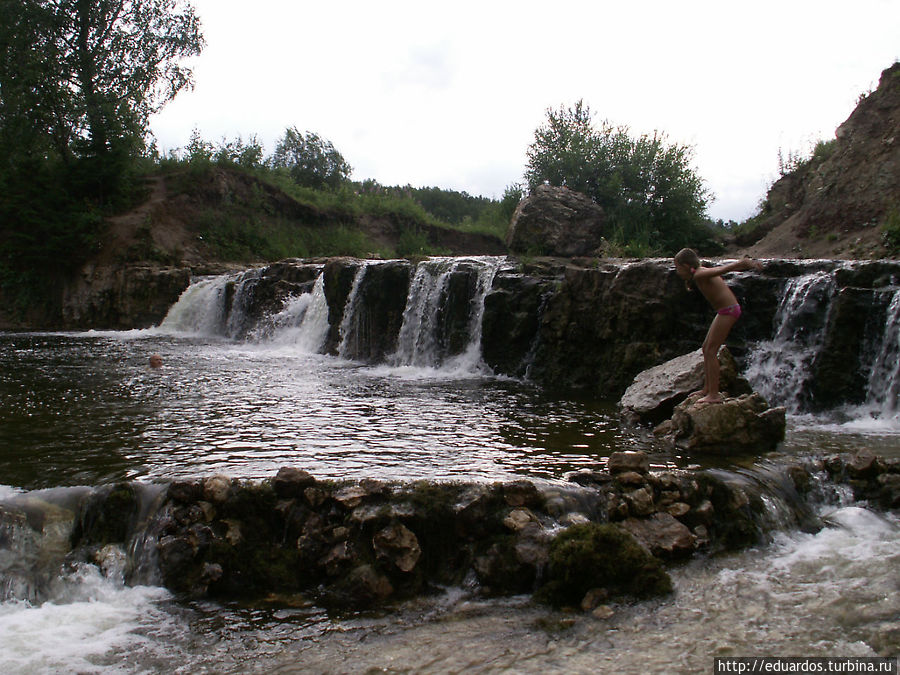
x=651 y=195
x=890 y=230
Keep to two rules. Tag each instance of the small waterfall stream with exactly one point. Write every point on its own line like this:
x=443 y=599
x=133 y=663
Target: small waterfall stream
x=779 y=368
x=303 y=323
x=884 y=378
x=422 y=341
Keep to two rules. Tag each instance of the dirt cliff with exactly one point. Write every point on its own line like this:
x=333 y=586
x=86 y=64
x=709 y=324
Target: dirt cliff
x=840 y=202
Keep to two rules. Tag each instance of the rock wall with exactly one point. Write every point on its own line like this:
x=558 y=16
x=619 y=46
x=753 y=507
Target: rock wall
x=121 y=298
x=359 y=543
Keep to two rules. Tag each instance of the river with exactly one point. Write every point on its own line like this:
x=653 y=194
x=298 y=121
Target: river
x=84 y=409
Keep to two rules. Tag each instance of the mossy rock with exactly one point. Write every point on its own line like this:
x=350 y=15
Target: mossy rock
x=106 y=516
x=596 y=555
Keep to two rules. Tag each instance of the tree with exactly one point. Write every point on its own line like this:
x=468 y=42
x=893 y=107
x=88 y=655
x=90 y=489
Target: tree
x=653 y=198
x=82 y=77
x=79 y=80
x=311 y=160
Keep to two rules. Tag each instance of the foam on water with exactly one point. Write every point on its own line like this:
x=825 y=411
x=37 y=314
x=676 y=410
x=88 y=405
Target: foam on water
x=91 y=625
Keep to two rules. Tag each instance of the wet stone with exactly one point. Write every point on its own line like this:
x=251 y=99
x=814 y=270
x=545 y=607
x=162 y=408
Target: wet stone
x=587 y=477
x=291 y=482
x=864 y=464
x=518 y=519
x=397 y=545
x=315 y=497
x=521 y=493
x=640 y=502
x=593 y=598
x=216 y=489
x=351 y=497
x=629 y=460
x=662 y=534
x=630 y=478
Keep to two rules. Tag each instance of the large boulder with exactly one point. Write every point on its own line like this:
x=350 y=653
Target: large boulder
x=655 y=392
x=556 y=221
x=742 y=425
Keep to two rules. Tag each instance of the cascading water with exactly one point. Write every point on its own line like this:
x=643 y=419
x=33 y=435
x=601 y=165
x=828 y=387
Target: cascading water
x=423 y=340
x=213 y=306
x=778 y=368
x=349 y=330
x=884 y=378
x=303 y=323
x=201 y=308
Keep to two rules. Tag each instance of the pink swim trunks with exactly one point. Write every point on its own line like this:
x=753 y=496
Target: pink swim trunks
x=731 y=310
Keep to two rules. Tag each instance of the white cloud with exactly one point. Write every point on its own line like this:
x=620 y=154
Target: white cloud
x=450 y=94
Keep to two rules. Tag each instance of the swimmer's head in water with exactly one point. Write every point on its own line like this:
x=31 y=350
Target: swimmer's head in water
x=156 y=361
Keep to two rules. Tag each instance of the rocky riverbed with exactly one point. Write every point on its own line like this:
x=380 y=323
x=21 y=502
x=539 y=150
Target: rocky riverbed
x=361 y=543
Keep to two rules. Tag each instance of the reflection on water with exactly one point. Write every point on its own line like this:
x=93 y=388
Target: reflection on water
x=84 y=409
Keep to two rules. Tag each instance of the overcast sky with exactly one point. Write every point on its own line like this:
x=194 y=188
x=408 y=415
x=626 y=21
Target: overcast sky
x=449 y=94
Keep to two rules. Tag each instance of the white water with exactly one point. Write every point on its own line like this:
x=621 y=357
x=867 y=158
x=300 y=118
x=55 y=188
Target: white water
x=349 y=332
x=832 y=593
x=835 y=593
x=884 y=379
x=778 y=368
x=303 y=322
x=418 y=344
x=200 y=310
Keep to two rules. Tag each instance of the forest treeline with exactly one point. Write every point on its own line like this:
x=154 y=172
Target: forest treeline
x=79 y=81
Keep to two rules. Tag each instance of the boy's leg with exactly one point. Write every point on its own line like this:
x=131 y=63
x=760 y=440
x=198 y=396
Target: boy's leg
x=715 y=338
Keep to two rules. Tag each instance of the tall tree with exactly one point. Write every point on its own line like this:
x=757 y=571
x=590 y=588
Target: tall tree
x=651 y=193
x=79 y=80
x=84 y=76
x=311 y=160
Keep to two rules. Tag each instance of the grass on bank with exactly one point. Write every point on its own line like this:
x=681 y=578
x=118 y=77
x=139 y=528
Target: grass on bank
x=250 y=228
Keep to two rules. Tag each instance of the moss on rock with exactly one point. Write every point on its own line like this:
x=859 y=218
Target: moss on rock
x=596 y=555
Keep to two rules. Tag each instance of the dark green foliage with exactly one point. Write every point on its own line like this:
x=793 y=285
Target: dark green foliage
x=311 y=160
x=654 y=200
x=600 y=556
x=890 y=230
x=78 y=82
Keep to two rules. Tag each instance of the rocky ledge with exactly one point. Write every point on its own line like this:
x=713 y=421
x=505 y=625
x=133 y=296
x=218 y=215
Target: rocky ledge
x=360 y=543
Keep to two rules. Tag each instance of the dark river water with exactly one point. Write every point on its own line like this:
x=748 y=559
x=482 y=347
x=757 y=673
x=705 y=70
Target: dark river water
x=84 y=409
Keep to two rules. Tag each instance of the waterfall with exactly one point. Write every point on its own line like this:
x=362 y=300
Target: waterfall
x=470 y=360
x=213 y=306
x=303 y=322
x=200 y=309
x=417 y=342
x=349 y=330
x=425 y=335
x=779 y=368
x=884 y=378
x=36 y=529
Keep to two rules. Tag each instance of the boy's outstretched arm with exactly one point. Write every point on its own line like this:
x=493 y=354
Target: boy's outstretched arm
x=737 y=266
